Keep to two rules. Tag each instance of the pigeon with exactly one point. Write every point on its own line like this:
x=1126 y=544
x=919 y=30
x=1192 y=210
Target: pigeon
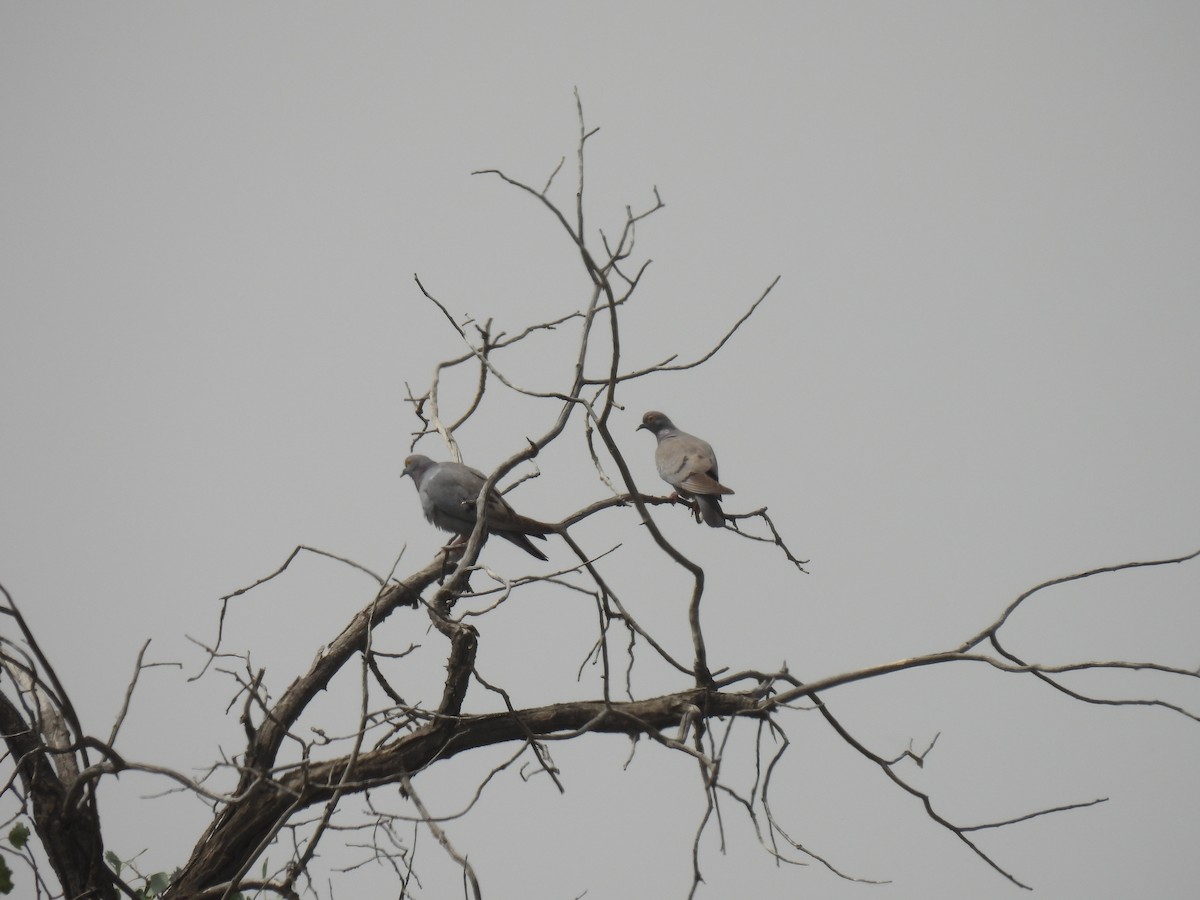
x=689 y=465
x=448 y=492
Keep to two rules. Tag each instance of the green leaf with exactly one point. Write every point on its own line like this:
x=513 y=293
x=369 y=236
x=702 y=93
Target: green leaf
x=19 y=835
x=6 y=882
x=157 y=883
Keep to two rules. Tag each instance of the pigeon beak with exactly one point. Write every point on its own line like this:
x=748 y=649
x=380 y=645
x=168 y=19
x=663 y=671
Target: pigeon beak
x=640 y=427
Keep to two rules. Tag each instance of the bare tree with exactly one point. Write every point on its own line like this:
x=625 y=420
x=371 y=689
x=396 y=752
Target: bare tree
x=291 y=778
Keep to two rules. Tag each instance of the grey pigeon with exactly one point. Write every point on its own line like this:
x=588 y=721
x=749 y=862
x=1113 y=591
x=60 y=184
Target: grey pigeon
x=689 y=465
x=448 y=492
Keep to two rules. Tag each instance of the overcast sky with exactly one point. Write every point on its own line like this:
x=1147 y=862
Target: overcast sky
x=978 y=372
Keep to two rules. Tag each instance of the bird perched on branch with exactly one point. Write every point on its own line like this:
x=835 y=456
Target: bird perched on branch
x=448 y=492
x=689 y=465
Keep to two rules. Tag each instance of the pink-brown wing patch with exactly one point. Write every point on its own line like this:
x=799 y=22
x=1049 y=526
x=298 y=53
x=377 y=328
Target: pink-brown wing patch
x=703 y=483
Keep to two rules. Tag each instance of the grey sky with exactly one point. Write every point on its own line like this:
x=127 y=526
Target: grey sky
x=978 y=372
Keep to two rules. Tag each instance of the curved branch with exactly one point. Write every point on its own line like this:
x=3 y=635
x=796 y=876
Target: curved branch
x=1065 y=579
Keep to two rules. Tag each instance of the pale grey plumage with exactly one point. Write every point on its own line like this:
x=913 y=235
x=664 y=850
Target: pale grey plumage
x=689 y=465
x=449 y=491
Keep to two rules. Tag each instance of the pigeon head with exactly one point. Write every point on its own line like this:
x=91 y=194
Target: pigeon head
x=655 y=422
x=416 y=466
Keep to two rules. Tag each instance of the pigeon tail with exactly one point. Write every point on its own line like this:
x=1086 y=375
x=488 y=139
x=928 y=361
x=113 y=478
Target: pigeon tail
x=710 y=510
x=515 y=537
